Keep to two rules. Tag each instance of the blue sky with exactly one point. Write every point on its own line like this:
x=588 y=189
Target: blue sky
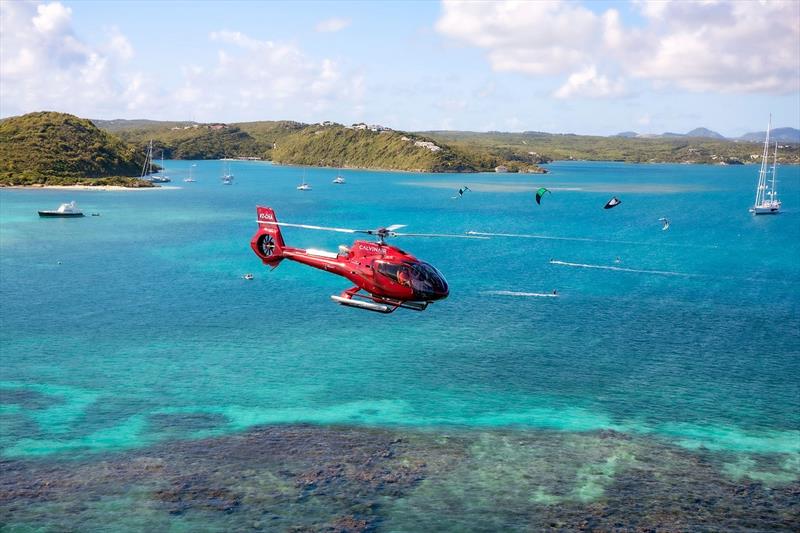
x=589 y=68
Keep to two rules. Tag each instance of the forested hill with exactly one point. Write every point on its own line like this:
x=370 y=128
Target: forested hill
x=329 y=144
x=624 y=147
x=57 y=148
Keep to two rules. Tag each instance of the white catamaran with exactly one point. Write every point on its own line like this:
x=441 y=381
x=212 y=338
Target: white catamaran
x=767 y=202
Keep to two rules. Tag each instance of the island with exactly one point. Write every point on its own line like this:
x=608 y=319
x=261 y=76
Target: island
x=46 y=149
x=57 y=149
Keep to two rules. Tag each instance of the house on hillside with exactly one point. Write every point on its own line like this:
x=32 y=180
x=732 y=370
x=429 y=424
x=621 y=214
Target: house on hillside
x=501 y=168
x=427 y=144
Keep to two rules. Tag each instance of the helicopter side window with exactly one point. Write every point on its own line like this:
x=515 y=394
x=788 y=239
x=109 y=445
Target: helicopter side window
x=387 y=269
x=398 y=273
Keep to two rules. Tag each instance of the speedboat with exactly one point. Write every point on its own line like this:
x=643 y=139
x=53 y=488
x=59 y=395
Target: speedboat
x=339 y=180
x=64 y=211
x=248 y=276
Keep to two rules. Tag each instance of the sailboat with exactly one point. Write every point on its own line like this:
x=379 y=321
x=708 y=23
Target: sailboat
x=339 y=180
x=163 y=168
x=190 y=179
x=227 y=175
x=767 y=202
x=147 y=168
x=304 y=186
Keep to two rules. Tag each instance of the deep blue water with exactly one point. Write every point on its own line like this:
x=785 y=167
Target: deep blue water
x=691 y=336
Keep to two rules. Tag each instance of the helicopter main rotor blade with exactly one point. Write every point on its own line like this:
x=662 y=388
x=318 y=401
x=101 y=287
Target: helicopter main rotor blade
x=382 y=232
x=449 y=235
x=308 y=226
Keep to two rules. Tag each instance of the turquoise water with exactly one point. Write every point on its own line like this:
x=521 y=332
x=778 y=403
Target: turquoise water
x=112 y=325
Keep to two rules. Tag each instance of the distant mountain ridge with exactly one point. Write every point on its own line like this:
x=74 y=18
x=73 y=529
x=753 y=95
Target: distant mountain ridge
x=701 y=133
x=787 y=135
x=705 y=133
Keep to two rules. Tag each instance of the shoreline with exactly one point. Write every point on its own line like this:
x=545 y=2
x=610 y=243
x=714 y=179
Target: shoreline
x=91 y=187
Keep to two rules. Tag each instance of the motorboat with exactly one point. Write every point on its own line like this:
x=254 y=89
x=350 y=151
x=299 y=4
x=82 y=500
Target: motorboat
x=64 y=211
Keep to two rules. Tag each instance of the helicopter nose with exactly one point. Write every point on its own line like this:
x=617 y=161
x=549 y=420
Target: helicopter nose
x=427 y=282
x=436 y=289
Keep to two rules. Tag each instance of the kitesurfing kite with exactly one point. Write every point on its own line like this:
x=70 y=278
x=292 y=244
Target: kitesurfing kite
x=461 y=192
x=614 y=202
x=539 y=195
x=664 y=221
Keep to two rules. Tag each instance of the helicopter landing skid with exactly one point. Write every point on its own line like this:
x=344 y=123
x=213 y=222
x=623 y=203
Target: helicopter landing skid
x=351 y=298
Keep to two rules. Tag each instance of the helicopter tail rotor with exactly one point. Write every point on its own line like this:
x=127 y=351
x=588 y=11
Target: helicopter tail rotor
x=267 y=242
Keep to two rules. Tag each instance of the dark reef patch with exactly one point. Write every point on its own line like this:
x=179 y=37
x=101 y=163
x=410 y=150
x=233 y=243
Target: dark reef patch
x=29 y=399
x=343 y=479
x=188 y=422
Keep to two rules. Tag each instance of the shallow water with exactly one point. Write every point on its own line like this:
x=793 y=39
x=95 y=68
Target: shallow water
x=306 y=478
x=134 y=329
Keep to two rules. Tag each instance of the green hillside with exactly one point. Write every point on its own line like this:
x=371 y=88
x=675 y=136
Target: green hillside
x=194 y=141
x=60 y=149
x=460 y=151
x=337 y=146
x=617 y=148
x=295 y=143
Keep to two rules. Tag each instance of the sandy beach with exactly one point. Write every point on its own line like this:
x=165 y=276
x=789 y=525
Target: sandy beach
x=94 y=187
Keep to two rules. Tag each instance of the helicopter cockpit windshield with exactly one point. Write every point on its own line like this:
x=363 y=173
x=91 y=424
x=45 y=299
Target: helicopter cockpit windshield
x=426 y=282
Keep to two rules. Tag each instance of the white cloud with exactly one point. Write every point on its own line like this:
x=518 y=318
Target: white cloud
x=266 y=74
x=587 y=83
x=722 y=46
x=700 y=45
x=119 y=45
x=45 y=65
x=332 y=25
x=541 y=37
x=52 y=18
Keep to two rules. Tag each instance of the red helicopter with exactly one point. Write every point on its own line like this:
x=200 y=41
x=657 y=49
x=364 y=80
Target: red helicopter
x=390 y=277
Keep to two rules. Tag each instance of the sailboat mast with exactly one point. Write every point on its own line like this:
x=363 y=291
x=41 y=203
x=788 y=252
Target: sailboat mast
x=147 y=166
x=772 y=193
x=762 y=174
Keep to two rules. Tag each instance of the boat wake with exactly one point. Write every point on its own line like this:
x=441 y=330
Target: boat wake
x=624 y=269
x=522 y=294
